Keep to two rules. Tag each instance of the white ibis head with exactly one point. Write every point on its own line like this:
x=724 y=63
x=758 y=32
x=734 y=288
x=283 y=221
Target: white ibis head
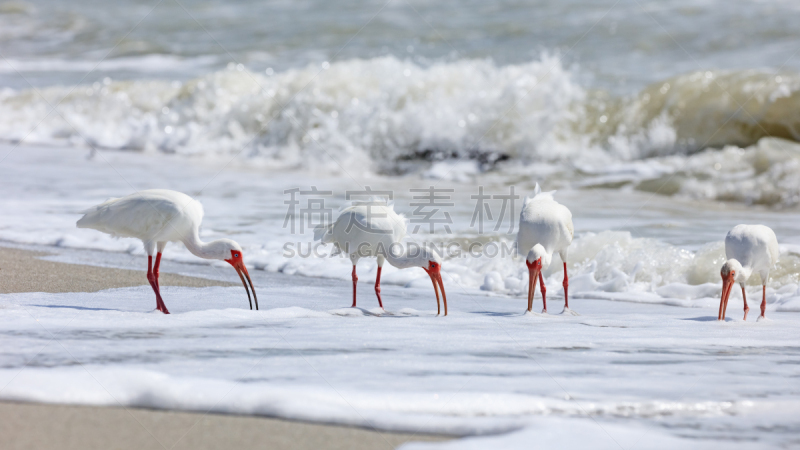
x=732 y=271
x=537 y=259
x=434 y=271
x=231 y=252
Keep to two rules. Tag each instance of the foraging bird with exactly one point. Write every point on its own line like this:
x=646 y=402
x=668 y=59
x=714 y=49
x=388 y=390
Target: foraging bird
x=545 y=226
x=374 y=229
x=749 y=249
x=159 y=216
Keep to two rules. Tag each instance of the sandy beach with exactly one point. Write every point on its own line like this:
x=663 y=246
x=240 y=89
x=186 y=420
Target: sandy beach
x=41 y=426
x=36 y=426
x=23 y=271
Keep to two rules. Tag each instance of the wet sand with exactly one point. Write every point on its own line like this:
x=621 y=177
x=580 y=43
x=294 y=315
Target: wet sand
x=23 y=271
x=45 y=427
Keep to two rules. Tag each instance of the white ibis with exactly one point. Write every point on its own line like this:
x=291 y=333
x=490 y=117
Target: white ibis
x=374 y=229
x=159 y=216
x=545 y=226
x=749 y=249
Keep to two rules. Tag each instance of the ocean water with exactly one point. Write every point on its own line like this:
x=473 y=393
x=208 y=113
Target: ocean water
x=661 y=124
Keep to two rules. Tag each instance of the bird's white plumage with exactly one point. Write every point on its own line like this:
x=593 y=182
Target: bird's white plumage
x=151 y=215
x=545 y=222
x=374 y=229
x=156 y=216
x=375 y=224
x=755 y=248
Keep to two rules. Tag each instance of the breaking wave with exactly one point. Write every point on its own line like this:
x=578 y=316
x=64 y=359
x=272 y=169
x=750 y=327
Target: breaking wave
x=679 y=136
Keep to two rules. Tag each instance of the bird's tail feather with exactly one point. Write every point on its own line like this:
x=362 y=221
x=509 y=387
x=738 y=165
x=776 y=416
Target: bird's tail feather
x=91 y=215
x=97 y=207
x=372 y=200
x=321 y=231
x=537 y=191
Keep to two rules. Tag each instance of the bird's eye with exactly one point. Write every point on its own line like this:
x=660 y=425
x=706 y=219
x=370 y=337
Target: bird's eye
x=235 y=255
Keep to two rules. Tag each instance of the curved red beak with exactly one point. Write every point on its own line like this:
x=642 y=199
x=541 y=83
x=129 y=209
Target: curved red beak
x=727 y=285
x=238 y=263
x=434 y=271
x=534 y=269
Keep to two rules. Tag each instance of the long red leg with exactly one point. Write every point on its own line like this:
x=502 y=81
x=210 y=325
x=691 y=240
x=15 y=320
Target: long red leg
x=544 y=292
x=151 y=277
x=355 y=280
x=158 y=286
x=155 y=269
x=566 y=287
x=746 y=308
x=378 y=287
x=763 y=300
